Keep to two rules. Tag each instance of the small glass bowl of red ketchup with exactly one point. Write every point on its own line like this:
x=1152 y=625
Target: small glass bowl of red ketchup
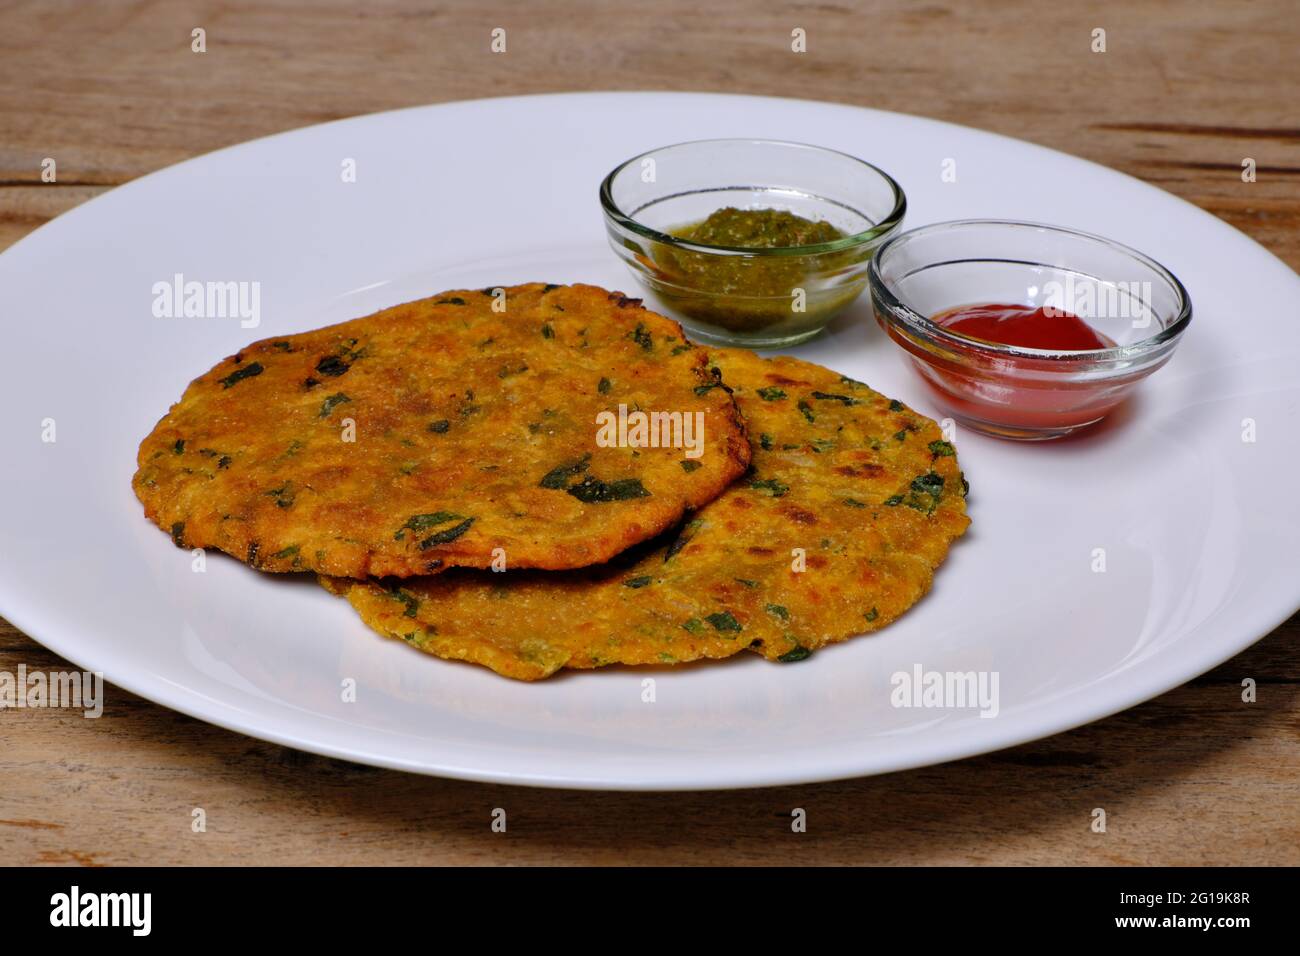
x=1023 y=330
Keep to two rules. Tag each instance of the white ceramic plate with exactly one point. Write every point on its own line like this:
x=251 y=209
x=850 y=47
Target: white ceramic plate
x=1199 y=527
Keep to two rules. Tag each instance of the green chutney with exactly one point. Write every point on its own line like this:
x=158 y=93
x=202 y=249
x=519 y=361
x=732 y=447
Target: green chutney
x=787 y=296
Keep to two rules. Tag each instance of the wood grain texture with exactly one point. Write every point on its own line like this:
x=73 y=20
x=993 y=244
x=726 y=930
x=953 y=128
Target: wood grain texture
x=1184 y=93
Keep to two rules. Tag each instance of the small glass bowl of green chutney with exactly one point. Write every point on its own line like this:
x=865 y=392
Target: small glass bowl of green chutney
x=750 y=242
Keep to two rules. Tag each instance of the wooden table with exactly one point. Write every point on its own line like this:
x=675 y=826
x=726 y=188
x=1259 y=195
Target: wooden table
x=1183 y=94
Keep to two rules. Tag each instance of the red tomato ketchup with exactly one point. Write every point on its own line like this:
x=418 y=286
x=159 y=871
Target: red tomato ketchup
x=1020 y=395
x=1023 y=326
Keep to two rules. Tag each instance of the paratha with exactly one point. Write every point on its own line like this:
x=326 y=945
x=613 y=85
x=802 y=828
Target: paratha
x=458 y=430
x=852 y=502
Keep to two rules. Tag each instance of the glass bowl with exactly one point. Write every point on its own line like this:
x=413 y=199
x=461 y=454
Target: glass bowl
x=1016 y=392
x=760 y=298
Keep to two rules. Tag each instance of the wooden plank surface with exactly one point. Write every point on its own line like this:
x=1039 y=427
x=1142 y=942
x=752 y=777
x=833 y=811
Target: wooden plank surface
x=1184 y=93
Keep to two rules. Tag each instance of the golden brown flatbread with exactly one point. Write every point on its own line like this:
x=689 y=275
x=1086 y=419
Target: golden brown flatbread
x=851 y=504
x=458 y=430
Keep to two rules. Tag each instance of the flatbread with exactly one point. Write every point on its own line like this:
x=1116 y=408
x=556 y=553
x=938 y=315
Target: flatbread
x=851 y=504
x=474 y=438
